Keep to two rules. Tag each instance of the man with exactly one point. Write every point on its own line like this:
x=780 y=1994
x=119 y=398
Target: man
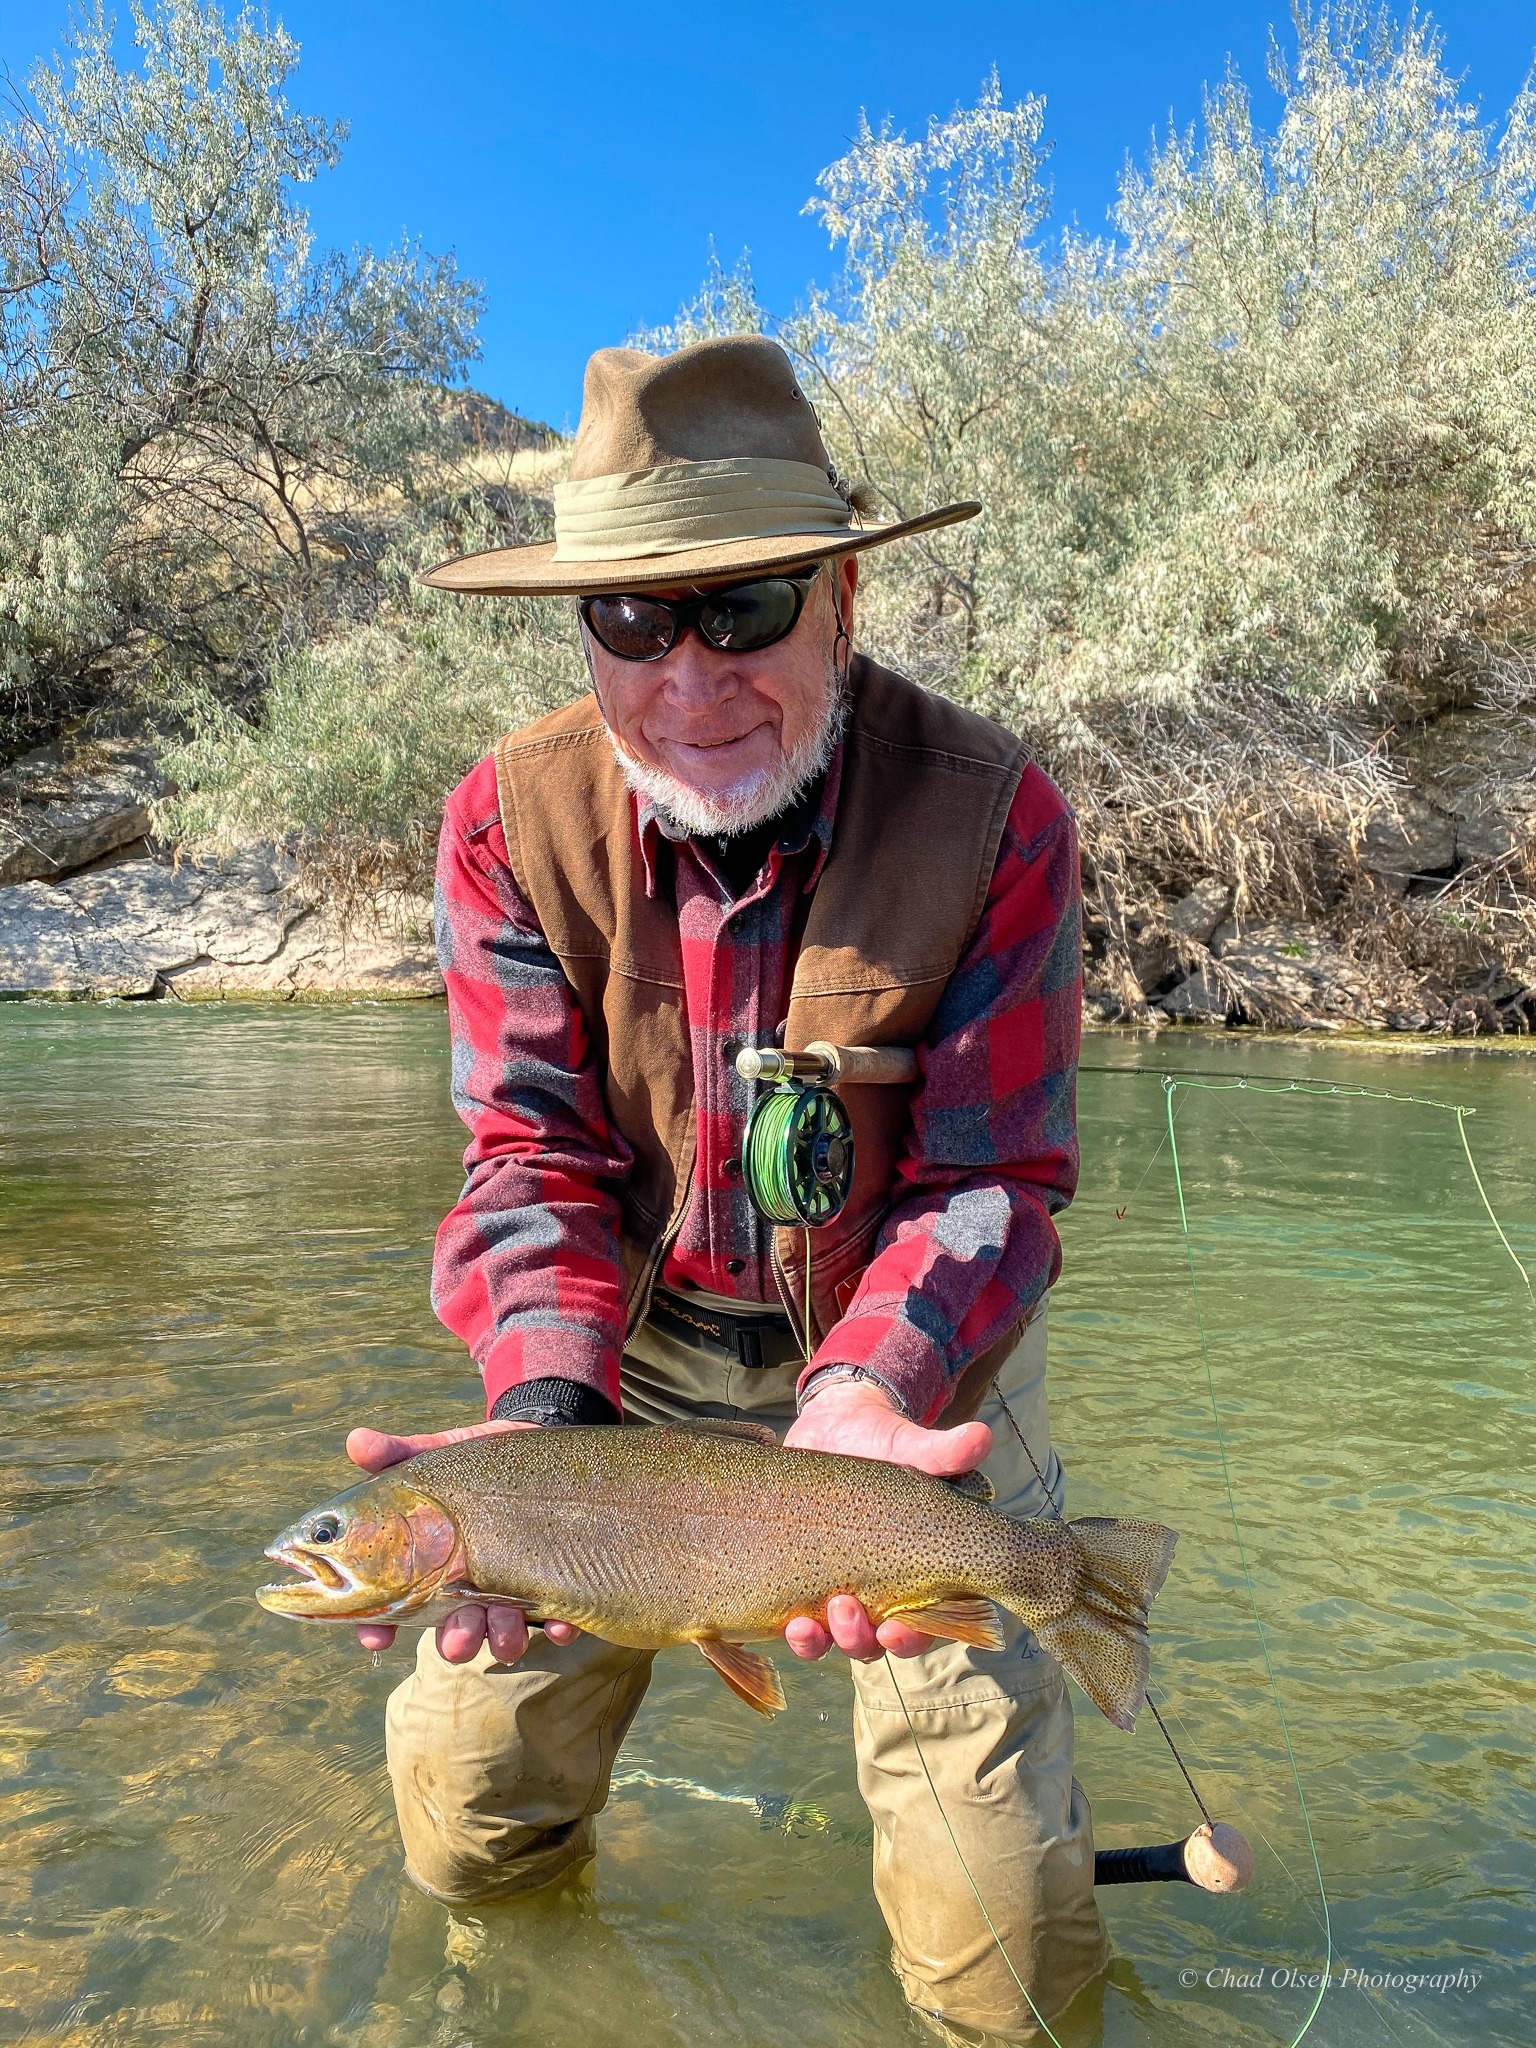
x=748 y=835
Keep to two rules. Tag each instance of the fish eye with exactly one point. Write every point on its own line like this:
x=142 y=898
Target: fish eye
x=324 y=1529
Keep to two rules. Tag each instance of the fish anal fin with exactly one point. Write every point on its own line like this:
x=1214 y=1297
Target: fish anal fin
x=959 y=1618
x=751 y=1677
x=724 y=1425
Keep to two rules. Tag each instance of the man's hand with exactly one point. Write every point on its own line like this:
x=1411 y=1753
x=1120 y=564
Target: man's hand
x=856 y=1418
x=460 y=1636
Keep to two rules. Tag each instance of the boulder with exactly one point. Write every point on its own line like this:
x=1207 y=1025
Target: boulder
x=208 y=928
x=1197 y=915
x=61 y=808
x=1289 y=977
x=1477 y=770
x=323 y=954
x=1199 y=999
x=1414 y=841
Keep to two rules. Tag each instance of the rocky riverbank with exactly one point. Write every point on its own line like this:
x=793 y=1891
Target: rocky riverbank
x=1428 y=910
x=91 y=907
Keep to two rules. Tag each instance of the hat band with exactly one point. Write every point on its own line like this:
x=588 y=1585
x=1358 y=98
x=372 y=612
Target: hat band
x=685 y=505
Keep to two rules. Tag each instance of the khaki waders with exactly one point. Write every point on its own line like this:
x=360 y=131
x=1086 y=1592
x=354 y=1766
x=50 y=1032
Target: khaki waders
x=499 y=1770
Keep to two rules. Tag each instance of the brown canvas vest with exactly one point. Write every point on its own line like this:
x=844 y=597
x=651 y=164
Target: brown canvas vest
x=925 y=793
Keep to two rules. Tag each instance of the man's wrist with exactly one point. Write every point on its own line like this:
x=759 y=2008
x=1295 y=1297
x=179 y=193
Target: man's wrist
x=554 y=1403
x=848 y=1375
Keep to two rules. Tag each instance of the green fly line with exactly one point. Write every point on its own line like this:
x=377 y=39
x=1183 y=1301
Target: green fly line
x=768 y=1156
x=954 y=1843
x=1461 y=1129
x=784 y=1124
x=1259 y=1086
x=1170 y=1087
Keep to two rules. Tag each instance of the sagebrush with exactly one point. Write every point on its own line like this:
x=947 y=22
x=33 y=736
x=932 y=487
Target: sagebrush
x=1259 y=470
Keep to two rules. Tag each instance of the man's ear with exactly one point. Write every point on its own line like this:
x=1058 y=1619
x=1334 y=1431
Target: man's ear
x=845 y=583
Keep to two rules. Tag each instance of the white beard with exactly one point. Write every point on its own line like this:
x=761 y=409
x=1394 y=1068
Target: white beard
x=755 y=798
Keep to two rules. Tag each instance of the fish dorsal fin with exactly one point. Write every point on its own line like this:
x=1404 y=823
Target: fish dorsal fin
x=720 y=1425
x=974 y=1485
x=750 y=1677
x=959 y=1619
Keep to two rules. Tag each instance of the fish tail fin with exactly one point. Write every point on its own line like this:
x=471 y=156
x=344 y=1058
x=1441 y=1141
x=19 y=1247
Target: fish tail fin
x=1102 y=1638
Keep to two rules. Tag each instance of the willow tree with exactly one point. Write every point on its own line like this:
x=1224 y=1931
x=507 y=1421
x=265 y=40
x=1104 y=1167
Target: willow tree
x=203 y=423
x=1259 y=464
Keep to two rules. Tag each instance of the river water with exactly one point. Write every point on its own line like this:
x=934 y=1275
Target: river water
x=215 y=1227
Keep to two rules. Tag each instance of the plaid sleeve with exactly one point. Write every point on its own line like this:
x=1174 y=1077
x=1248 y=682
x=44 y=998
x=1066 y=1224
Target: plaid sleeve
x=526 y=1268
x=969 y=1246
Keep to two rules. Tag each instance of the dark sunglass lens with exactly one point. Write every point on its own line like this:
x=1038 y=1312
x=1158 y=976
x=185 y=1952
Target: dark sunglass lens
x=752 y=615
x=634 y=628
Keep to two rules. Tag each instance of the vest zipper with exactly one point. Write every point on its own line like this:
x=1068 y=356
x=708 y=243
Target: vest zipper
x=664 y=1243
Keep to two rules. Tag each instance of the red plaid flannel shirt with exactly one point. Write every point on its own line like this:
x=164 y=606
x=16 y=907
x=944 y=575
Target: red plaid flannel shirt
x=527 y=1261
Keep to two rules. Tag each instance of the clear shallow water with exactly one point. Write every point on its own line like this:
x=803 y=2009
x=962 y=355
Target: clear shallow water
x=215 y=1227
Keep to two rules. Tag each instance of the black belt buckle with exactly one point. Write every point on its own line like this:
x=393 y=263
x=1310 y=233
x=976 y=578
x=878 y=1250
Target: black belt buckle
x=738 y=1337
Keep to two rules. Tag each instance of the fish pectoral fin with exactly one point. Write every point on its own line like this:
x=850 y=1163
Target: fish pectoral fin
x=751 y=1677
x=974 y=1485
x=960 y=1619
x=723 y=1425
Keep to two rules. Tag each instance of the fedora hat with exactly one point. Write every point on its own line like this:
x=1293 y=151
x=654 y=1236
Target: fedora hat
x=687 y=467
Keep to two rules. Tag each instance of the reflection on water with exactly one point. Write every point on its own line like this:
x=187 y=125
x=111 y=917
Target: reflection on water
x=214 y=1237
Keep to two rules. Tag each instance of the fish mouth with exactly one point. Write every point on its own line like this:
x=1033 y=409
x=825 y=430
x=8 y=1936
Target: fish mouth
x=324 y=1589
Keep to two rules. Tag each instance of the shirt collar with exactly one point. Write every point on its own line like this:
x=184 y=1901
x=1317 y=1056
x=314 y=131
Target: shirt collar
x=809 y=821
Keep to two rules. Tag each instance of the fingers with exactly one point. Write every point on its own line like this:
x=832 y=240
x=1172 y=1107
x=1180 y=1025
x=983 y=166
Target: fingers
x=902 y=1641
x=807 y=1638
x=852 y=1630
x=375 y=1449
x=944 y=1452
x=503 y=1626
x=374 y=1635
x=506 y=1630
x=460 y=1636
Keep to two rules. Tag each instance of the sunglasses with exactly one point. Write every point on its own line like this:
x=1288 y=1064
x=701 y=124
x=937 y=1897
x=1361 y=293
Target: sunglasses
x=742 y=620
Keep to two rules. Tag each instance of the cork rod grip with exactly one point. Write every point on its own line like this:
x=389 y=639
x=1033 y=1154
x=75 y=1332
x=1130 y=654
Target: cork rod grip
x=887 y=1065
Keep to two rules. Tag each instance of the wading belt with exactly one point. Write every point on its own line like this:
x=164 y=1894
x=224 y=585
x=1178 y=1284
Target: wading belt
x=759 y=1340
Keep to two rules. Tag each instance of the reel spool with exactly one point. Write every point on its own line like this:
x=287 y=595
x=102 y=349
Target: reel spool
x=797 y=1161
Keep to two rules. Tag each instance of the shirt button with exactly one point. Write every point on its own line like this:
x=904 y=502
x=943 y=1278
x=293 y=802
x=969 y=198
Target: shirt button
x=729 y=1050
x=733 y=1168
x=735 y=1265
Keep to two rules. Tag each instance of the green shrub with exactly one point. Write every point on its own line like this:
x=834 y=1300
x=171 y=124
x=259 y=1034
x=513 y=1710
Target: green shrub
x=358 y=737
x=206 y=430
x=1259 y=469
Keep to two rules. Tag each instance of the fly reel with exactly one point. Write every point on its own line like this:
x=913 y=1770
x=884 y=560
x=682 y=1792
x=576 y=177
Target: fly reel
x=797 y=1161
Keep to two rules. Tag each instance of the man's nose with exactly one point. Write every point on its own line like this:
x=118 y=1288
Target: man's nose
x=696 y=676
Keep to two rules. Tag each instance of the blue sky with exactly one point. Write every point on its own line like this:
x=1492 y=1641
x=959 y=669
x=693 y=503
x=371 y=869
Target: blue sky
x=578 y=158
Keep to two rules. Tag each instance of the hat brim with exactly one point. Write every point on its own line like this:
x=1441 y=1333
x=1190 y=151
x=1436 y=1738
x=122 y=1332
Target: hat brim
x=534 y=572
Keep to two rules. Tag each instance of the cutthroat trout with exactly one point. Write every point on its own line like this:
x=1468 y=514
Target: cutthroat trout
x=651 y=1537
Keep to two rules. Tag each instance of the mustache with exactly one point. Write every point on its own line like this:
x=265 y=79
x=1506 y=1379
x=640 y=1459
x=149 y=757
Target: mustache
x=755 y=798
